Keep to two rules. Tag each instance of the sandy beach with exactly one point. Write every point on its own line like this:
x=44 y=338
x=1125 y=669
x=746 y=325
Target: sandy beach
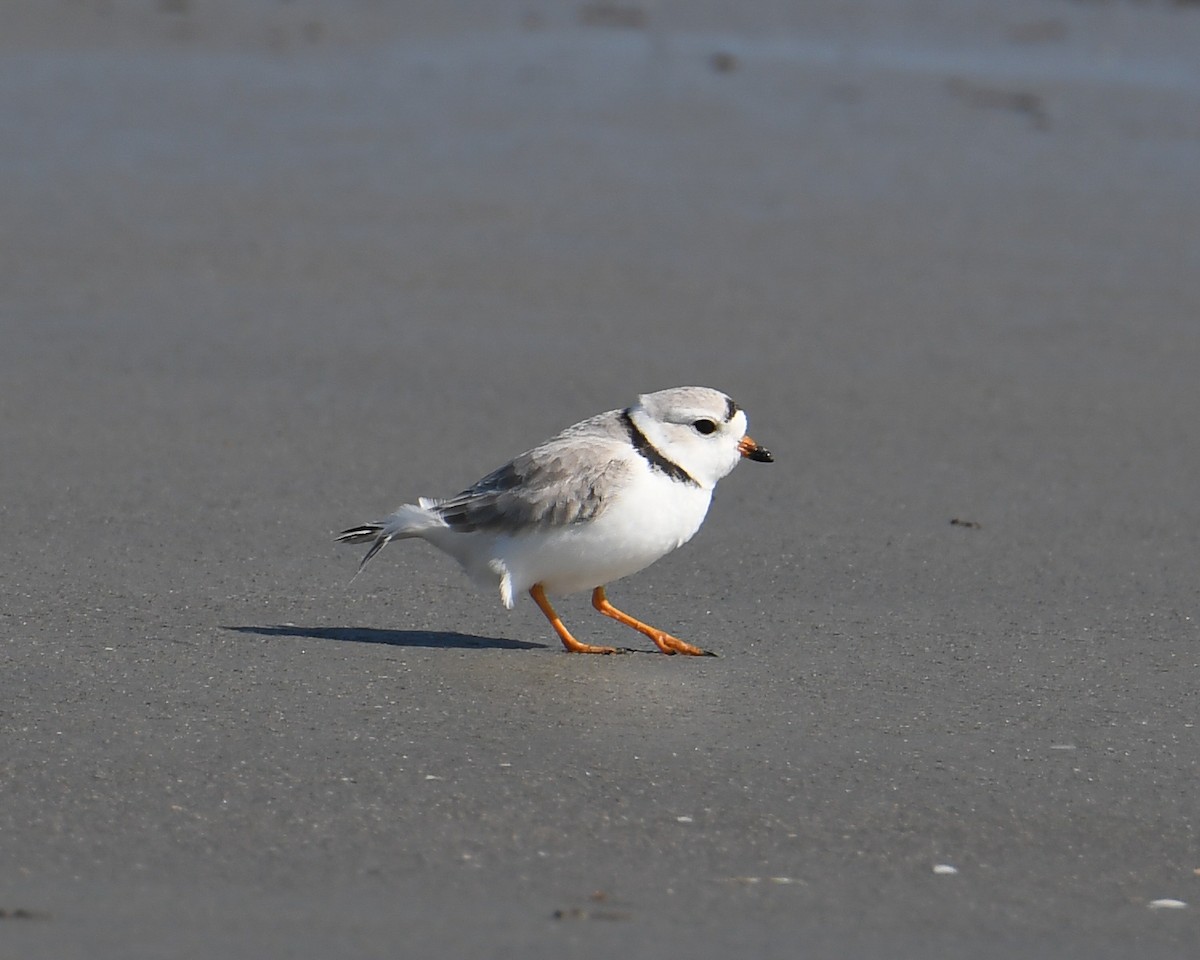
x=268 y=270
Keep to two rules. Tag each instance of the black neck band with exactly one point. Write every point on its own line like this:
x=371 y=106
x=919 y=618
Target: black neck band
x=650 y=454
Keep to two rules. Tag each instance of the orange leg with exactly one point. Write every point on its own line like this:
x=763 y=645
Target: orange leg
x=664 y=641
x=572 y=645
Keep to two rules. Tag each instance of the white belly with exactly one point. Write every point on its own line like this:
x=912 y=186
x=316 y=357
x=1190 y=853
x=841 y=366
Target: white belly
x=653 y=517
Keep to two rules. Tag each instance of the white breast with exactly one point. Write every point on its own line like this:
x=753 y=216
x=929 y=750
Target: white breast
x=652 y=515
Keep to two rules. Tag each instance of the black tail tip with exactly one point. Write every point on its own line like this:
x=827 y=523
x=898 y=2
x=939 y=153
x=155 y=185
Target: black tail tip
x=361 y=534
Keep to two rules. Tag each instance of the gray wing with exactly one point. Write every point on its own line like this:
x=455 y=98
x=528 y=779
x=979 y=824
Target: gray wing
x=569 y=479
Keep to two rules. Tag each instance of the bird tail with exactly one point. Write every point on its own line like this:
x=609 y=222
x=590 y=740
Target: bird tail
x=411 y=520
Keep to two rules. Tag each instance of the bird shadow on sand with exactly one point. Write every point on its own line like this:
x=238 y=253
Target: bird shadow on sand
x=396 y=638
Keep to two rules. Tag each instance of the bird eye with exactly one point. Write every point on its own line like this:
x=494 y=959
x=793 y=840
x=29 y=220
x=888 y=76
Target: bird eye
x=705 y=427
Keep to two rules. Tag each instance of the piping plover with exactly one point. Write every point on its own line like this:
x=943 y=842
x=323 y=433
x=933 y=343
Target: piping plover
x=601 y=500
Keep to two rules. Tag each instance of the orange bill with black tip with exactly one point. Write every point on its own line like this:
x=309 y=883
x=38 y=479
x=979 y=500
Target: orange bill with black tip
x=751 y=450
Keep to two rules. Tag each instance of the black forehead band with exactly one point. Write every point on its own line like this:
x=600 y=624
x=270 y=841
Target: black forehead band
x=731 y=409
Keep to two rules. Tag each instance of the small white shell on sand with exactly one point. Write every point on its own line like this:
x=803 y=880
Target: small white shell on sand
x=1166 y=904
x=944 y=869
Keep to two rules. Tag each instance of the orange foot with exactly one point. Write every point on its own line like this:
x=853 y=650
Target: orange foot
x=573 y=646
x=664 y=641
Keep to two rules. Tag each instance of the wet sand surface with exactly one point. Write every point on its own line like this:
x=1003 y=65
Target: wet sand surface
x=268 y=270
